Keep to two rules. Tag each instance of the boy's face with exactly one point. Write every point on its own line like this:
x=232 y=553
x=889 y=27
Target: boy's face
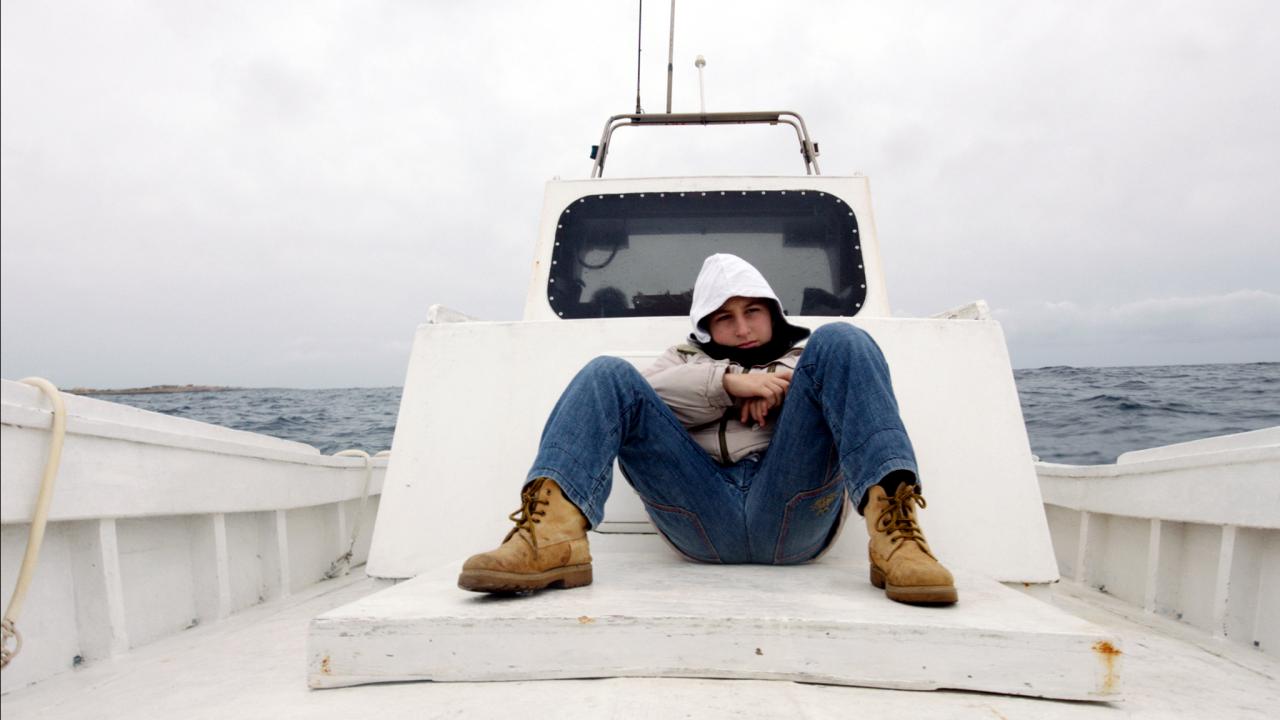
x=742 y=323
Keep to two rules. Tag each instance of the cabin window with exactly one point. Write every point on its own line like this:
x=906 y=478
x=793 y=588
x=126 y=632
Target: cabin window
x=637 y=255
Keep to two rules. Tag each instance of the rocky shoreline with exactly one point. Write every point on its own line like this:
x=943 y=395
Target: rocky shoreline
x=152 y=390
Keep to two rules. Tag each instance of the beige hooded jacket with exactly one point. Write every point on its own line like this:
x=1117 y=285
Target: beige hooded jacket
x=691 y=382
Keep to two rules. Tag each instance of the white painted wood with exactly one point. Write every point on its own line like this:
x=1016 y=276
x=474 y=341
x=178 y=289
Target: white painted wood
x=1117 y=560
x=1198 y=570
x=223 y=564
x=1210 y=557
x=1082 y=548
x=203 y=541
x=159 y=580
x=186 y=467
x=441 y=314
x=1168 y=577
x=1265 y=630
x=250 y=668
x=1064 y=528
x=97 y=589
x=1265 y=437
x=157 y=523
x=340 y=523
x=113 y=584
x=1248 y=567
x=52 y=605
x=1153 y=567
x=962 y=414
x=282 y=551
x=1222 y=584
x=1205 y=488
x=308 y=561
x=976 y=310
x=651 y=614
x=99 y=636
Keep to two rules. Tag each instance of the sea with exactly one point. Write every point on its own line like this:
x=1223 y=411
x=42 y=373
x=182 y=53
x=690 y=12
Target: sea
x=1077 y=415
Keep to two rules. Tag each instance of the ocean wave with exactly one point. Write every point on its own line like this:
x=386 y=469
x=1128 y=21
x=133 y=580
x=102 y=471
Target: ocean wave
x=1093 y=415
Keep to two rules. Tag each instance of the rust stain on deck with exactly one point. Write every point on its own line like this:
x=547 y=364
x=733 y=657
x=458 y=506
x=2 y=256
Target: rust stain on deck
x=586 y=619
x=1109 y=653
x=324 y=665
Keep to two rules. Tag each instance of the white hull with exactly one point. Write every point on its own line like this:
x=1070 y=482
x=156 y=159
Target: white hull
x=1188 y=531
x=159 y=524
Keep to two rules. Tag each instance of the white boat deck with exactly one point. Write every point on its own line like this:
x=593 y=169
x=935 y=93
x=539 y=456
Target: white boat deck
x=254 y=665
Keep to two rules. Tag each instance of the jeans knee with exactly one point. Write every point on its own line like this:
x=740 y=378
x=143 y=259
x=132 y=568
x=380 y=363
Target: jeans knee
x=843 y=345
x=614 y=368
x=843 y=336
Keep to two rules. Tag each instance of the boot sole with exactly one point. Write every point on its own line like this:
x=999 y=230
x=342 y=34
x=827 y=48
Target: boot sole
x=915 y=595
x=496 y=581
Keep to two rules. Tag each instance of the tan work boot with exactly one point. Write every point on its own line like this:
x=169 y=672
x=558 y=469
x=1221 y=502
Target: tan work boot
x=901 y=562
x=548 y=546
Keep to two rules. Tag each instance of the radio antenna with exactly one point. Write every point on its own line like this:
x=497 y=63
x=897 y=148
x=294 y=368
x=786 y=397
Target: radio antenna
x=639 y=37
x=700 y=63
x=671 y=49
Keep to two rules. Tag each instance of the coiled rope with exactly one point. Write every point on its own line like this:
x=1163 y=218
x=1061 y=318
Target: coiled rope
x=342 y=565
x=58 y=432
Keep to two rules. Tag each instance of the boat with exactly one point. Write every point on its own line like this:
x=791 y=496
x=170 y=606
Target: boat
x=197 y=571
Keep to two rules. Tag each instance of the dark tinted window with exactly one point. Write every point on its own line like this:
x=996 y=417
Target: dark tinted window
x=638 y=255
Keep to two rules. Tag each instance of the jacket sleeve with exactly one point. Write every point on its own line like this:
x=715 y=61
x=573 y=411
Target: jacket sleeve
x=694 y=391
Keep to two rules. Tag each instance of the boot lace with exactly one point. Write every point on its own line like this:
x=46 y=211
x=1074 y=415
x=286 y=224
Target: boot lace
x=898 y=518
x=528 y=514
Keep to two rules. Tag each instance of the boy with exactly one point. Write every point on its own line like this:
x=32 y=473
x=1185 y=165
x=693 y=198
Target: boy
x=728 y=471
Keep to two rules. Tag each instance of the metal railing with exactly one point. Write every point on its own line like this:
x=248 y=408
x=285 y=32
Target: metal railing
x=808 y=148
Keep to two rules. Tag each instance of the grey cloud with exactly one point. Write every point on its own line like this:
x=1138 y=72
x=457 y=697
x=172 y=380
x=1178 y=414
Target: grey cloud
x=1240 y=326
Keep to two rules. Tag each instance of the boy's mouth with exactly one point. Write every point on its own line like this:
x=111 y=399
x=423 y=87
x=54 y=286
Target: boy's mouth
x=748 y=344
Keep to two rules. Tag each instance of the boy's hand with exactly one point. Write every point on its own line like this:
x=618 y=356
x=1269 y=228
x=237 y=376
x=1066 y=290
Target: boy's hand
x=770 y=386
x=760 y=392
x=754 y=410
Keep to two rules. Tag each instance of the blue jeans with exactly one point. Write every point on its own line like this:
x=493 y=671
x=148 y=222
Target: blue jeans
x=839 y=432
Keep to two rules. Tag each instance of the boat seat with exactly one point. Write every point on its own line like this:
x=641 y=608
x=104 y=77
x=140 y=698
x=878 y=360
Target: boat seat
x=650 y=614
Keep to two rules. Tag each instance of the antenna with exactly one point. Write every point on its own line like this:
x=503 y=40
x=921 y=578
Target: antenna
x=700 y=63
x=639 y=37
x=671 y=51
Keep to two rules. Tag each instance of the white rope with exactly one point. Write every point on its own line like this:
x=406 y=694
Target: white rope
x=342 y=565
x=58 y=432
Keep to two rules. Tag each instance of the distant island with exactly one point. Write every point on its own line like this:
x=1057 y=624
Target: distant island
x=151 y=390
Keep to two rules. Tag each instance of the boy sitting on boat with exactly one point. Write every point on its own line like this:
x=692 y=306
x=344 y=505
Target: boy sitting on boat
x=727 y=471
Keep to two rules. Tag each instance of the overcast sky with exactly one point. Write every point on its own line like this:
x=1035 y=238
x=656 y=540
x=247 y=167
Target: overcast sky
x=272 y=194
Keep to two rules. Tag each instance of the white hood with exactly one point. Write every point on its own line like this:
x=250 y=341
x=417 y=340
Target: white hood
x=724 y=276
